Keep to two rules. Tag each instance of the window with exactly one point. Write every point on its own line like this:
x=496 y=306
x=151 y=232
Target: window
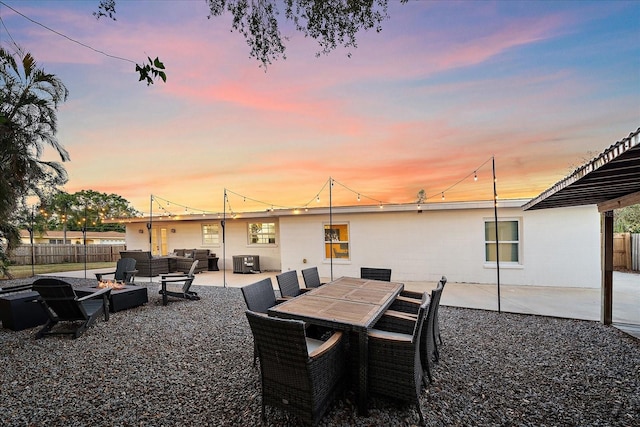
x=508 y=241
x=210 y=235
x=262 y=233
x=336 y=241
x=56 y=241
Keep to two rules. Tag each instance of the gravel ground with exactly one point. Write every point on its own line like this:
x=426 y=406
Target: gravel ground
x=190 y=363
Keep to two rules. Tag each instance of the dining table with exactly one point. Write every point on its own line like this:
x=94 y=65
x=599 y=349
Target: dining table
x=348 y=304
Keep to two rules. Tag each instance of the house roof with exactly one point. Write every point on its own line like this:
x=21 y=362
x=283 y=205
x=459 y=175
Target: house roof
x=611 y=180
x=387 y=208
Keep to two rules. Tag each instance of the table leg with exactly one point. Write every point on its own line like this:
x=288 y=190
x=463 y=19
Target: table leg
x=363 y=396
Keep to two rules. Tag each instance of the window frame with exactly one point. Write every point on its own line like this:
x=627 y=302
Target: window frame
x=262 y=234
x=341 y=242
x=492 y=241
x=204 y=234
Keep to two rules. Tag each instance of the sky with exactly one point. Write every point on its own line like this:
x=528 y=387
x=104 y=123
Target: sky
x=445 y=90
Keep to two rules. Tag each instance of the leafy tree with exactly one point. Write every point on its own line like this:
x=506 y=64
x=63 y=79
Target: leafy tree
x=29 y=99
x=86 y=208
x=627 y=219
x=331 y=23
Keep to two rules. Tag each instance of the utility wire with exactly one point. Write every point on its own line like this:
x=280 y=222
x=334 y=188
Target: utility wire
x=65 y=36
x=9 y=34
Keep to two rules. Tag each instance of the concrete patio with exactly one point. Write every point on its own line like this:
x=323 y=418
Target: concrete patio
x=565 y=302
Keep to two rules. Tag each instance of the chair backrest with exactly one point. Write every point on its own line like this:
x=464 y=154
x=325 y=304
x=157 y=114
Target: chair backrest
x=122 y=266
x=436 y=321
x=282 y=347
x=288 y=283
x=137 y=255
x=375 y=273
x=423 y=310
x=61 y=298
x=193 y=268
x=190 y=277
x=429 y=323
x=259 y=296
x=311 y=277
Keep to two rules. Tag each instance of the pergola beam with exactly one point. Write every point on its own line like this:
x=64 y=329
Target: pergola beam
x=620 y=202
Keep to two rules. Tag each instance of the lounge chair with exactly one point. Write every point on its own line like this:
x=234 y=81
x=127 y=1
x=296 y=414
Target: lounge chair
x=298 y=374
x=178 y=285
x=125 y=271
x=61 y=304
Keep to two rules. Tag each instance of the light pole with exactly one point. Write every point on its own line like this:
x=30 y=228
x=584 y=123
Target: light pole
x=224 y=245
x=331 y=226
x=84 y=237
x=495 y=217
x=33 y=255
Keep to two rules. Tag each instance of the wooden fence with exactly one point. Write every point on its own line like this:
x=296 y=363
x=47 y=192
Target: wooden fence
x=60 y=254
x=626 y=251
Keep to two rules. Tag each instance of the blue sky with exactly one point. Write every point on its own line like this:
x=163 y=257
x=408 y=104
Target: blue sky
x=542 y=86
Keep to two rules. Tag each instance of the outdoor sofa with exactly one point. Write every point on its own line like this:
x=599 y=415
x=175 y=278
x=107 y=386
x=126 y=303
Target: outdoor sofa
x=185 y=258
x=147 y=265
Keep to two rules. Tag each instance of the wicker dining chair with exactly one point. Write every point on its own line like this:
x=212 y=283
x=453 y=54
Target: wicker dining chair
x=259 y=297
x=408 y=301
x=436 y=321
x=429 y=352
x=298 y=374
x=383 y=274
x=311 y=277
x=395 y=368
x=289 y=285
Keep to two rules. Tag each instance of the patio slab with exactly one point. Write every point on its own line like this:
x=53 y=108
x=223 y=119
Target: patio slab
x=565 y=302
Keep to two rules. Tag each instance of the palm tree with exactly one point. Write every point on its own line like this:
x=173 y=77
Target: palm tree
x=29 y=99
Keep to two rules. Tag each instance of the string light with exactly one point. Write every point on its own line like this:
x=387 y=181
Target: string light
x=331 y=181
x=475 y=178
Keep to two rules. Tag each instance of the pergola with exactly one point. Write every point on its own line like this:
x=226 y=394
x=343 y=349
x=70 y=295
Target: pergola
x=611 y=181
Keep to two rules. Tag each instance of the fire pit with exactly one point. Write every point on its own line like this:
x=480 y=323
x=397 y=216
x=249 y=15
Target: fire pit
x=122 y=296
x=111 y=284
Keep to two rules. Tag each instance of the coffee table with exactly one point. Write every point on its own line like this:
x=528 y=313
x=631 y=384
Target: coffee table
x=121 y=299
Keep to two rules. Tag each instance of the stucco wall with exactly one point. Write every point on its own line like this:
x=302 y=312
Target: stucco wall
x=560 y=247
x=188 y=235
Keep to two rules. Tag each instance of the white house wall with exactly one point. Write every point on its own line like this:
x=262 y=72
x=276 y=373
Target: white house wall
x=559 y=247
x=237 y=244
x=188 y=235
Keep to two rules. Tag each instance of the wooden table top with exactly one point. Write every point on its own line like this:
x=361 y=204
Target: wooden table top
x=345 y=301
